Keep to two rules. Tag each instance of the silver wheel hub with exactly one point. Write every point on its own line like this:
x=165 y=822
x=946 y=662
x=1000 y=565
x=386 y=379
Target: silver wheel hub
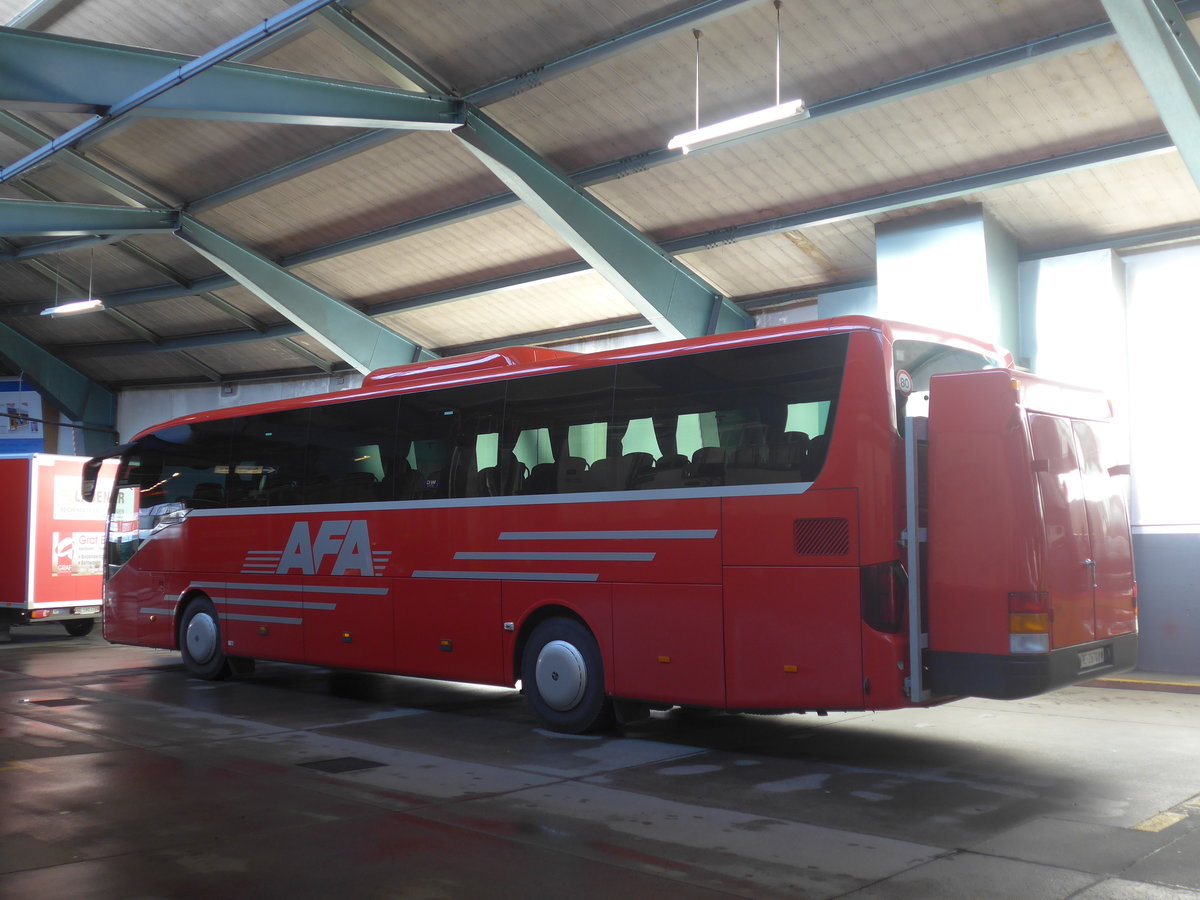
x=201 y=637
x=561 y=675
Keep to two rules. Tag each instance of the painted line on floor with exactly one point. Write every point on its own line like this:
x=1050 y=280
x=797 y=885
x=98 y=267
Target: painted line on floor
x=1160 y=822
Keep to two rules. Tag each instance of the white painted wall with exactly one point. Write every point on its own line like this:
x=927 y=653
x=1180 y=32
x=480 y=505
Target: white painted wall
x=142 y=408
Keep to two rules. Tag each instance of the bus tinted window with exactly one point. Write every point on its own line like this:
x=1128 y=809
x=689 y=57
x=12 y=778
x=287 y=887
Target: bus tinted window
x=185 y=465
x=749 y=415
x=173 y=470
x=556 y=428
x=353 y=456
x=267 y=461
x=439 y=439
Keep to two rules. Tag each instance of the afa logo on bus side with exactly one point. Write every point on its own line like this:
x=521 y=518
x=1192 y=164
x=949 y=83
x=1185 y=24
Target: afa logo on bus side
x=347 y=541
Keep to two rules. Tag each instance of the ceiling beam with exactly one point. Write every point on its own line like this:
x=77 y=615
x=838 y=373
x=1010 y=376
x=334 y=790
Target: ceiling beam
x=28 y=217
x=34 y=13
x=74 y=393
x=351 y=31
x=1131 y=241
x=1167 y=59
x=692 y=17
x=898 y=89
x=372 y=49
x=119 y=187
x=933 y=192
x=350 y=334
x=672 y=298
x=866 y=206
x=294 y=169
x=51 y=72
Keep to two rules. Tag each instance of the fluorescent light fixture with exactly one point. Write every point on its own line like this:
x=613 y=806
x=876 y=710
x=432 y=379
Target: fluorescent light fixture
x=77 y=306
x=738 y=127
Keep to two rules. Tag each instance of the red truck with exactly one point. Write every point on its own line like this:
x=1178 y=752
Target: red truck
x=52 y=554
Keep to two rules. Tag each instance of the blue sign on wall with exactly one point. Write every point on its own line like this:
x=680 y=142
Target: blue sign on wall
x=21 y=429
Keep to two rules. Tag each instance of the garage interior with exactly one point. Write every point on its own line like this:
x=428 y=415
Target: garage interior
x=271 y=201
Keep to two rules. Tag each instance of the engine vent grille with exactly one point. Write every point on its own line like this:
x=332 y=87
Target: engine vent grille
x=821 y=537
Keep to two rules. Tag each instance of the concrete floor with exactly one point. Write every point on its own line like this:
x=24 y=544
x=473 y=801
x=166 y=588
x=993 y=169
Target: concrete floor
x=122 y=778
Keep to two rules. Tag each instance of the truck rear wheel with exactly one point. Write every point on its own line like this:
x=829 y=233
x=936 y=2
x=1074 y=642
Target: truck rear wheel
x=79 y=627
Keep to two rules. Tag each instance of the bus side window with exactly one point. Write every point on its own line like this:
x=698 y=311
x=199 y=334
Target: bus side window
x=443 y=430
x=561 y=421
x=268 y=458
x=352 y=452
x=745 y=415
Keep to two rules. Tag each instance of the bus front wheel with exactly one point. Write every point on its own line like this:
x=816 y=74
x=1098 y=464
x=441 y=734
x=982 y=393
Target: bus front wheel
x=200 y=642
x=562 y=676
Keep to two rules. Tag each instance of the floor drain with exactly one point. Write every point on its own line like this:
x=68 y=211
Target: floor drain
x=342 y=764
x=60 y=701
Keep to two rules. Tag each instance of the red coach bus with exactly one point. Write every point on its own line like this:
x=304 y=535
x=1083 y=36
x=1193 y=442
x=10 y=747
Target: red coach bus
x=848 y=515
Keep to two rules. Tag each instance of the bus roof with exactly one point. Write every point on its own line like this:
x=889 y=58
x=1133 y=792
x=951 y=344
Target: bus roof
x=517 y=361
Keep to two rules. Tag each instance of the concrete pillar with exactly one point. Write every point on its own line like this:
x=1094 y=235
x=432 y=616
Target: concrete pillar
x=953 y=269
x=859 y=301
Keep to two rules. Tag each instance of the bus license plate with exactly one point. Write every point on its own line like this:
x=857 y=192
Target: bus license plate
x=1090 y=658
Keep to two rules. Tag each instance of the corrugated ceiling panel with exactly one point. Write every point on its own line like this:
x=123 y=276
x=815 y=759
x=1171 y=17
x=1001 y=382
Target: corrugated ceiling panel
x=259 y=356
x=142 y=368
x=170 y=318
x=514 y=240
x=314 y=52
x=557 y=303
x=467 y=49
x=962 y=129
x=640 y=99
x=1155 y=192
x=22 y=284
x=411 y=175
x=249 y=303
x=844 y=251
x=174 y=27
x=60 y=181
x=173 y=253
x=195 y=158
x=82 y=328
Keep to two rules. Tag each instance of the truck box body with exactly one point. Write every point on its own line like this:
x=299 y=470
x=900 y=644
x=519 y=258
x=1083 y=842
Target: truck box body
x=52 y=558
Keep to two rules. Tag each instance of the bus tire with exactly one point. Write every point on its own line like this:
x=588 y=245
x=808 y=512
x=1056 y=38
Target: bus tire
x=200 y=641
x=79 y=627
x=562 y=676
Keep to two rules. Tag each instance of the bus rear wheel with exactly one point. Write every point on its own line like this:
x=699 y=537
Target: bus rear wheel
x=200 y=642
x=562 y=676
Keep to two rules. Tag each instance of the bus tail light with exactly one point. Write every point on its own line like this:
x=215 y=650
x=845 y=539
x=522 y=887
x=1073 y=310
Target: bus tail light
x=884 y=592
x=1029 y=622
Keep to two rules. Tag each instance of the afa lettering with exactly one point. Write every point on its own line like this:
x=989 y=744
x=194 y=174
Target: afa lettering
x=347 y=541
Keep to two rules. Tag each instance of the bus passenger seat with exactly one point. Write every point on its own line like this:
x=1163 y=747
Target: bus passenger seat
x=572 y=472
x=542 y=479
x=636 y=471
x=354 y=487
x=504 y=479
x=789 y=454
x=603 y=475
x=818 y=447
x=207 y=495
x=707 y=468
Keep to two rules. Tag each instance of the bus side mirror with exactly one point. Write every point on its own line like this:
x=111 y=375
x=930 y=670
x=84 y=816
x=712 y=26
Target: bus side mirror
x=91 y=472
